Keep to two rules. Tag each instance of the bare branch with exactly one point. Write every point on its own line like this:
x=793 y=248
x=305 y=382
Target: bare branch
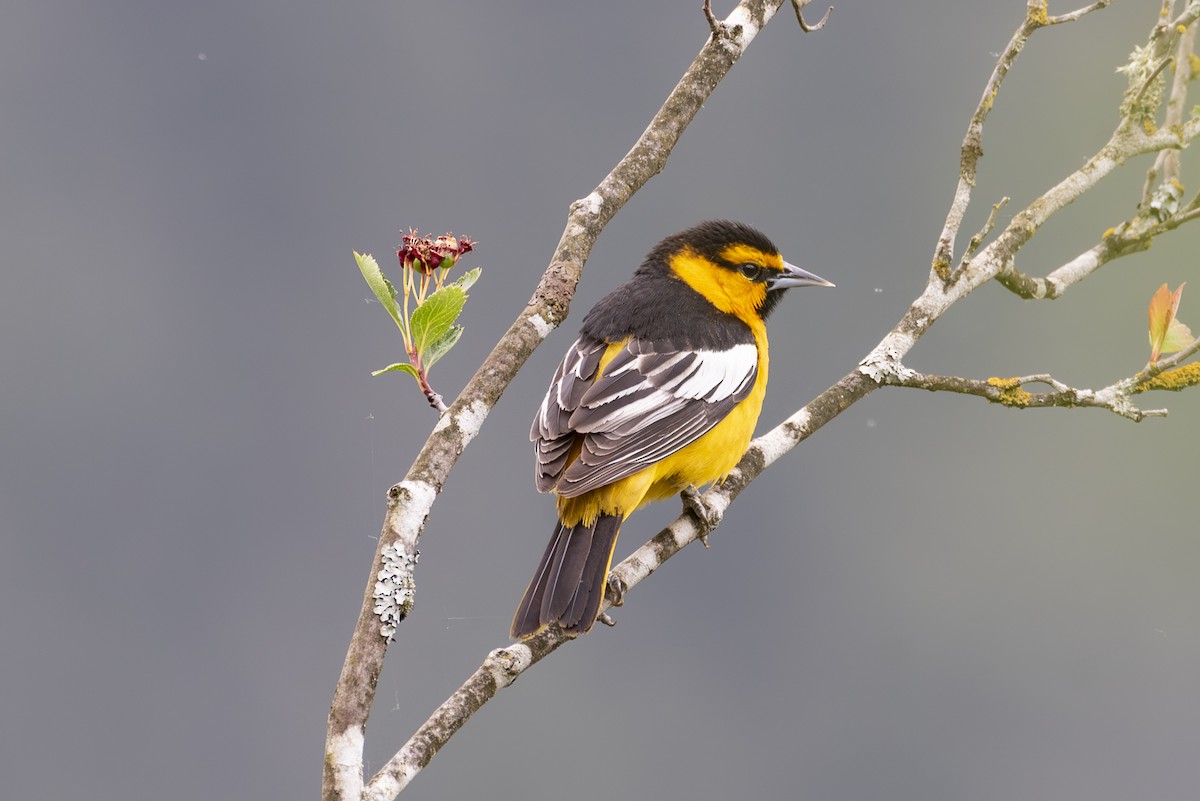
x=883 y=366
x=1071 y=16
x=1128 y=141
x=977 y=240
x=972 y=146
x=798 y=6
x=388 y=594
x=713 y=24
x=1132 y=236
x=1011 y=392
x=1129 y=237
x=1165 y=374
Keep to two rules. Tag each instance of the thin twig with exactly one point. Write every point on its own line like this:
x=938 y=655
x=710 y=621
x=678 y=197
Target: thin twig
x=977 y=240
x=713 y=24
x=1071 y=16
x=798 y=6
x=972 y=145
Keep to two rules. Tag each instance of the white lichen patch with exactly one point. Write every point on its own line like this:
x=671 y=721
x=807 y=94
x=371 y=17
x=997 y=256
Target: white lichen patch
x=883 y=363
x=780 y=440
x=741 y=18
x=406 y=516
x=593 y=204
x=540 y=325
x=346 y=754
x=395 y=589
x=470 y=420
x=505 y=664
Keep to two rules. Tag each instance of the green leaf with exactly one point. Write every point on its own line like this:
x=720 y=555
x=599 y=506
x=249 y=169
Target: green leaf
x=467 y=279
x=1163 y=306
x=379 y=284
x=441 y=347
x=433 y=319
x=1178 y=337
x=399 y=367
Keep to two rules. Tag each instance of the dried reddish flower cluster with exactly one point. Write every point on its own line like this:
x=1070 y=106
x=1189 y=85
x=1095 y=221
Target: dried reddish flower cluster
x=426 y=254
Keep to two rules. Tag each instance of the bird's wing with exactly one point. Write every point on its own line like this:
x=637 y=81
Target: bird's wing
x=651 y=401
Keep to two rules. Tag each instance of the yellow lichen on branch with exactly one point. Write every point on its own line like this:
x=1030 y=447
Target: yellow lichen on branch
x=1039 y=14
x=1011 y=393
x=1173 y=380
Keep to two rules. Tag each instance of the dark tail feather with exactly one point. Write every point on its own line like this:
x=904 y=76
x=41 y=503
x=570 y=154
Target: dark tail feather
x=568 y=586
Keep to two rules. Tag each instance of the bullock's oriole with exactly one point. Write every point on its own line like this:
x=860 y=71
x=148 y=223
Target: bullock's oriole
x=660 y=392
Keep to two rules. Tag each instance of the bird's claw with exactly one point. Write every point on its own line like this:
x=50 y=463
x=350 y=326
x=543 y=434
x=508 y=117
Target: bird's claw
x=616 y=589
x=693 y=501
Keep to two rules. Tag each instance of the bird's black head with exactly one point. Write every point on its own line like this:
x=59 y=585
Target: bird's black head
x=706 y=255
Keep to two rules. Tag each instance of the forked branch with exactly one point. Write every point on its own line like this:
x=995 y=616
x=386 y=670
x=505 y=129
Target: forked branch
x=412 y=499
x=389 y=592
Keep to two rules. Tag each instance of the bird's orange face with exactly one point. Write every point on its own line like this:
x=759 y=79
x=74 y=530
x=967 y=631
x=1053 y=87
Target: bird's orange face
x=729 y=288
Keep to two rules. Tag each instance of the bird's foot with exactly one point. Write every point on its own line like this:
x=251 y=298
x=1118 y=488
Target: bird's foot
x=707 y=516
x=616 y=589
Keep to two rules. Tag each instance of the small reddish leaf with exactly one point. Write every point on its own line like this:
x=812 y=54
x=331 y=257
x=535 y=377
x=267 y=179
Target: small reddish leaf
x=1163 y=335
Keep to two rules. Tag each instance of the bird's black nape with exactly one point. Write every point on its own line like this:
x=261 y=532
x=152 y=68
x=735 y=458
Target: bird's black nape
x=709 y=238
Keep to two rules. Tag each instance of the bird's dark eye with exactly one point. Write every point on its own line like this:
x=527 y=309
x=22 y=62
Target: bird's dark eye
x=751 y=271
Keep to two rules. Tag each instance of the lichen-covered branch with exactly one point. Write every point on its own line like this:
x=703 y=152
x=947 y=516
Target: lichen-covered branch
x=411 y=500
x=1011 y=392
x=999 y=258
x=1131 y=236
x=1036 y=17
x=504 y=665
x=389 y=589
x=1169 y=373
x=1160 y=209
x=1166 y=169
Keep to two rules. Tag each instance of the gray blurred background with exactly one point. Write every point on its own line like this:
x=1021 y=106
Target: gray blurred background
x=933 y=598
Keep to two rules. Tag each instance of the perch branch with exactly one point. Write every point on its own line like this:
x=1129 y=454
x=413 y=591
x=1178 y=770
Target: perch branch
x=881 y=367
x=389 y=592
x=1011 y=392
x=504 y=665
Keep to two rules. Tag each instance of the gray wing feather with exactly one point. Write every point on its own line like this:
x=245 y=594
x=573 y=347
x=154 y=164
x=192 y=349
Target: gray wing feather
x=647 y=405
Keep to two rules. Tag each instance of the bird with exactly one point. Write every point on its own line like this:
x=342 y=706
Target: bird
x=659 y=394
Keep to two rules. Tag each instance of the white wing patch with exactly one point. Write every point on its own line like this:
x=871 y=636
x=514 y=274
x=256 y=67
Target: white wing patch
x=646 y=406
